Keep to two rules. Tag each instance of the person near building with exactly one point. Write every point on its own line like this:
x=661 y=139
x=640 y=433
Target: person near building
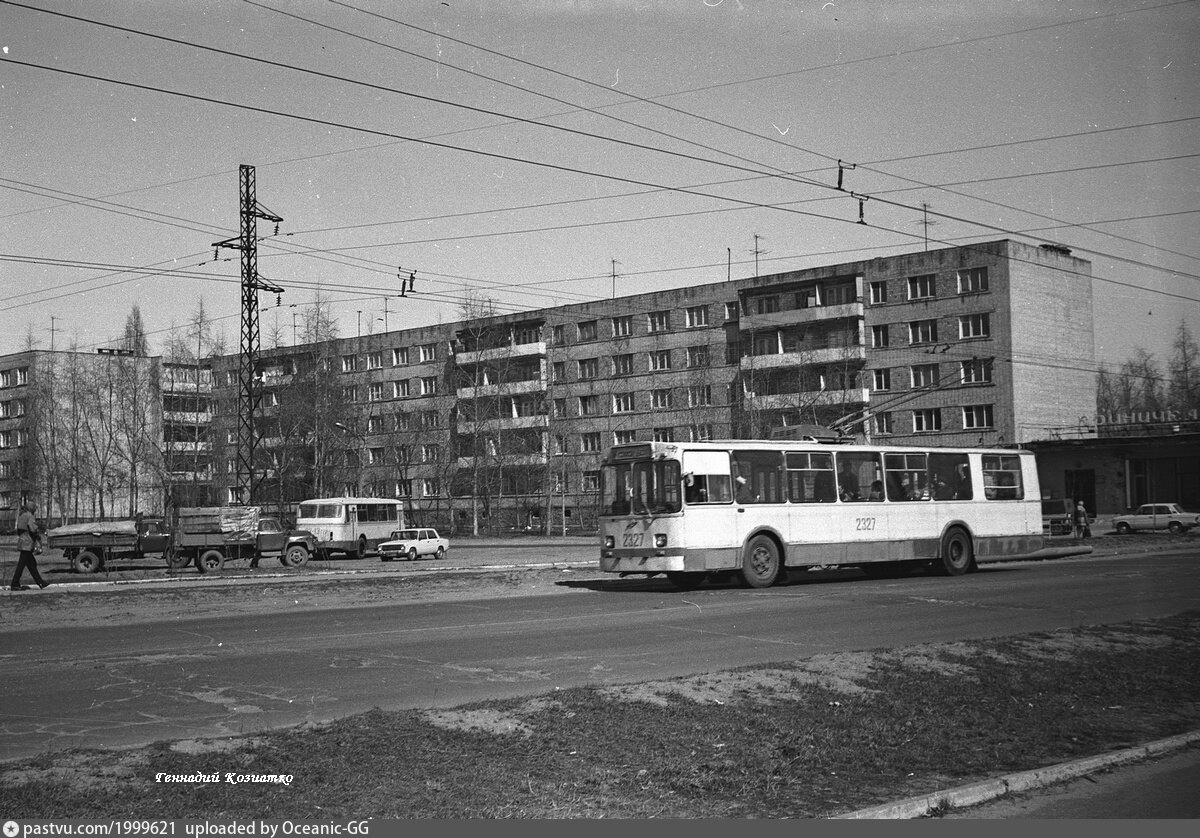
x=1083 y=529
x=29 y=538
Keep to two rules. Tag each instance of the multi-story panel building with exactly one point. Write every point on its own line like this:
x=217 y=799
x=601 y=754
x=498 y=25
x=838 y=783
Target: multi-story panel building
x=495 y=422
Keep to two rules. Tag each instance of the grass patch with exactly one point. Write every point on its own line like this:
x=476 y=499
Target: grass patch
x=809 y=738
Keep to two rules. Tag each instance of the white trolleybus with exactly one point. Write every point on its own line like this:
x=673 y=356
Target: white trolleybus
x=353 y=526
x=754 y=508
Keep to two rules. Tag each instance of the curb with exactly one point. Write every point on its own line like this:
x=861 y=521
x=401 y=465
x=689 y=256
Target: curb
x=976 y=793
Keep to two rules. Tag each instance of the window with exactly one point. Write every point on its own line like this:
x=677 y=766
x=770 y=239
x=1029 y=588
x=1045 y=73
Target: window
x=590 y=481
x=977 y=416
x=731 y=311
x=588 y=406
x=973 y=281
x=906 y=477
x=697 y=356
x=922 y=331
x=927 y=420
x=399 y=356
x=879 y=336
x=809 y=477
x=558 y=371
x=699 y=433
x=921 y=287
x=974 y=326
x=429 y=488
x=400 y=389
x=348 y=363
x=374 y=424
x=624 y=437
x=660 y=399
x=375 y=361
x=881 y=379
x=859 y=477
x=430 y=453
x=623 y=403
x=587 y=331
x=766 y=305
x=558 y=335
x=350 y=394
x=429 y=385
x=622 y=326
x=589 y=443
x=840 y=294
x=809 y=297
x=924 y=375
x=977 y=371
x=1002 y=477
x=559 y=408
x=403 y=488
x=403 y=421
x=757 y=477
x=696 y=316
x=430 y=419
x=660 y=360
x=878 y=292
x=881 y=423
x=374 y=456
x=622 y=365
x=375 y=392
x=659 y=321
x=589 y=368
x=700 y=396
x=427 y=352
x=664 y=434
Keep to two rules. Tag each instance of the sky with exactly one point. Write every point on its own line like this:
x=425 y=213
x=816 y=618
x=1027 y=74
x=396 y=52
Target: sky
x=532 y=153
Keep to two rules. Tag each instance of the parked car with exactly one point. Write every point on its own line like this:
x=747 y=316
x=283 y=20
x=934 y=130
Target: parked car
x=1058 y=516
x=1157 y=516
x=412 y=543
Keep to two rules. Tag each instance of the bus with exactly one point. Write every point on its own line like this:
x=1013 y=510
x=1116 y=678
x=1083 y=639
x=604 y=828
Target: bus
x=353 y=526
x=754 y=509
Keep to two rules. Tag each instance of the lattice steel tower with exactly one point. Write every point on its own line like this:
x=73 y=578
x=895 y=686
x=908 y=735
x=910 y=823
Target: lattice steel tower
x=249 y=379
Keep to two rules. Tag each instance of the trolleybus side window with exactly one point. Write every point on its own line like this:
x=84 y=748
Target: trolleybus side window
x=1002 y=477
x=950 y=476
x=810 y=477
x=857 y=473
x=756 y=477
x=706 y=477
x=906 y=476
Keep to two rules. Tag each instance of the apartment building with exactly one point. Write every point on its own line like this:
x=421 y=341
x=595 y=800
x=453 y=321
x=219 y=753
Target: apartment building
x=500 y=423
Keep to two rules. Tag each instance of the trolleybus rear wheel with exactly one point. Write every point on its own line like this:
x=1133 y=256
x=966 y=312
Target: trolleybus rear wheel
x=957 y=556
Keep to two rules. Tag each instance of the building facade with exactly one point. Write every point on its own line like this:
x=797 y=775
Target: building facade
x=499 y=423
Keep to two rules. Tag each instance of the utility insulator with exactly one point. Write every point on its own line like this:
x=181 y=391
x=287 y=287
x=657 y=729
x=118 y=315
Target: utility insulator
x=842 y=167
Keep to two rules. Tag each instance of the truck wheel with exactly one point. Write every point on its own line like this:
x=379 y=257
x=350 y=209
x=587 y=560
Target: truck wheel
x=295 y=556
x=210 y=561
x=176 y=560
x=85 y=561
x=361 y=553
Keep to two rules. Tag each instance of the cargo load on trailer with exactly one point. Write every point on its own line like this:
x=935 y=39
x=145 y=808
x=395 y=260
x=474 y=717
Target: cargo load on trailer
x=91 y=545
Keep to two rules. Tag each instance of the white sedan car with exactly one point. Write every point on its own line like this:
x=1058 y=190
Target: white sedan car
x=413 y=543
x=1157 y=516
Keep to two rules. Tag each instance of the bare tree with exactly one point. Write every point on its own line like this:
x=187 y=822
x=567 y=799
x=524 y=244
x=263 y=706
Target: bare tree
x=1183 y=370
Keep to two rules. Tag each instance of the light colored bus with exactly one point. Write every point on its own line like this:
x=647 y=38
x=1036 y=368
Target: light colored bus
x=353 y=526
x=755 y=508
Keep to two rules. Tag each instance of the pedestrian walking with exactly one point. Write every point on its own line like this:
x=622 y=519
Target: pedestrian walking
x=1083 y=529
x=29 y=542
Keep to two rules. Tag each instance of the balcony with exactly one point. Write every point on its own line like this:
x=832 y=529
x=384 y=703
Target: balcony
x=794 y=316
x=503 y=423
x=506 y=460
x=508 y=388
x=512 y=350
x=818 y=398
x=816 y=356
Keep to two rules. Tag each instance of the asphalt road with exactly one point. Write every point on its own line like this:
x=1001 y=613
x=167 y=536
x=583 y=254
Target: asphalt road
x=209 y=670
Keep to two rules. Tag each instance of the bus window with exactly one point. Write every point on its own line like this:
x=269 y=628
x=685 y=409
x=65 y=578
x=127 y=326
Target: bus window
x=950 y=476
x=324 y=511
x=1002 y=477
x=856 y=470
x=906 y=477
x=640 y=488
x=756 y=477
x=810 y=477
x=706 y=477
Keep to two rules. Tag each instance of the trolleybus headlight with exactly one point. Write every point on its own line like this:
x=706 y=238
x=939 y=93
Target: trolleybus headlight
x=660 y=539
x=609 y=542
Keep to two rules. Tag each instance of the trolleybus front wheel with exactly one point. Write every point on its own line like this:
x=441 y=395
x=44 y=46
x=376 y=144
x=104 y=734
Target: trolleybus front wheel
x=760 y=562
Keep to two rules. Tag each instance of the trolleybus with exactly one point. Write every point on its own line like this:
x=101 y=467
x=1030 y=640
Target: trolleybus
x=757 y=508
x=350 y=525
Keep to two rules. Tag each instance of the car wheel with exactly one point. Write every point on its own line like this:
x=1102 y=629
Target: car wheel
x=1124 y=528
x=86 y=561
x=957 y=556
x=441 y=551
x=760 y=562
x=295 y=556
x=1176 y=528
x=412 y=554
